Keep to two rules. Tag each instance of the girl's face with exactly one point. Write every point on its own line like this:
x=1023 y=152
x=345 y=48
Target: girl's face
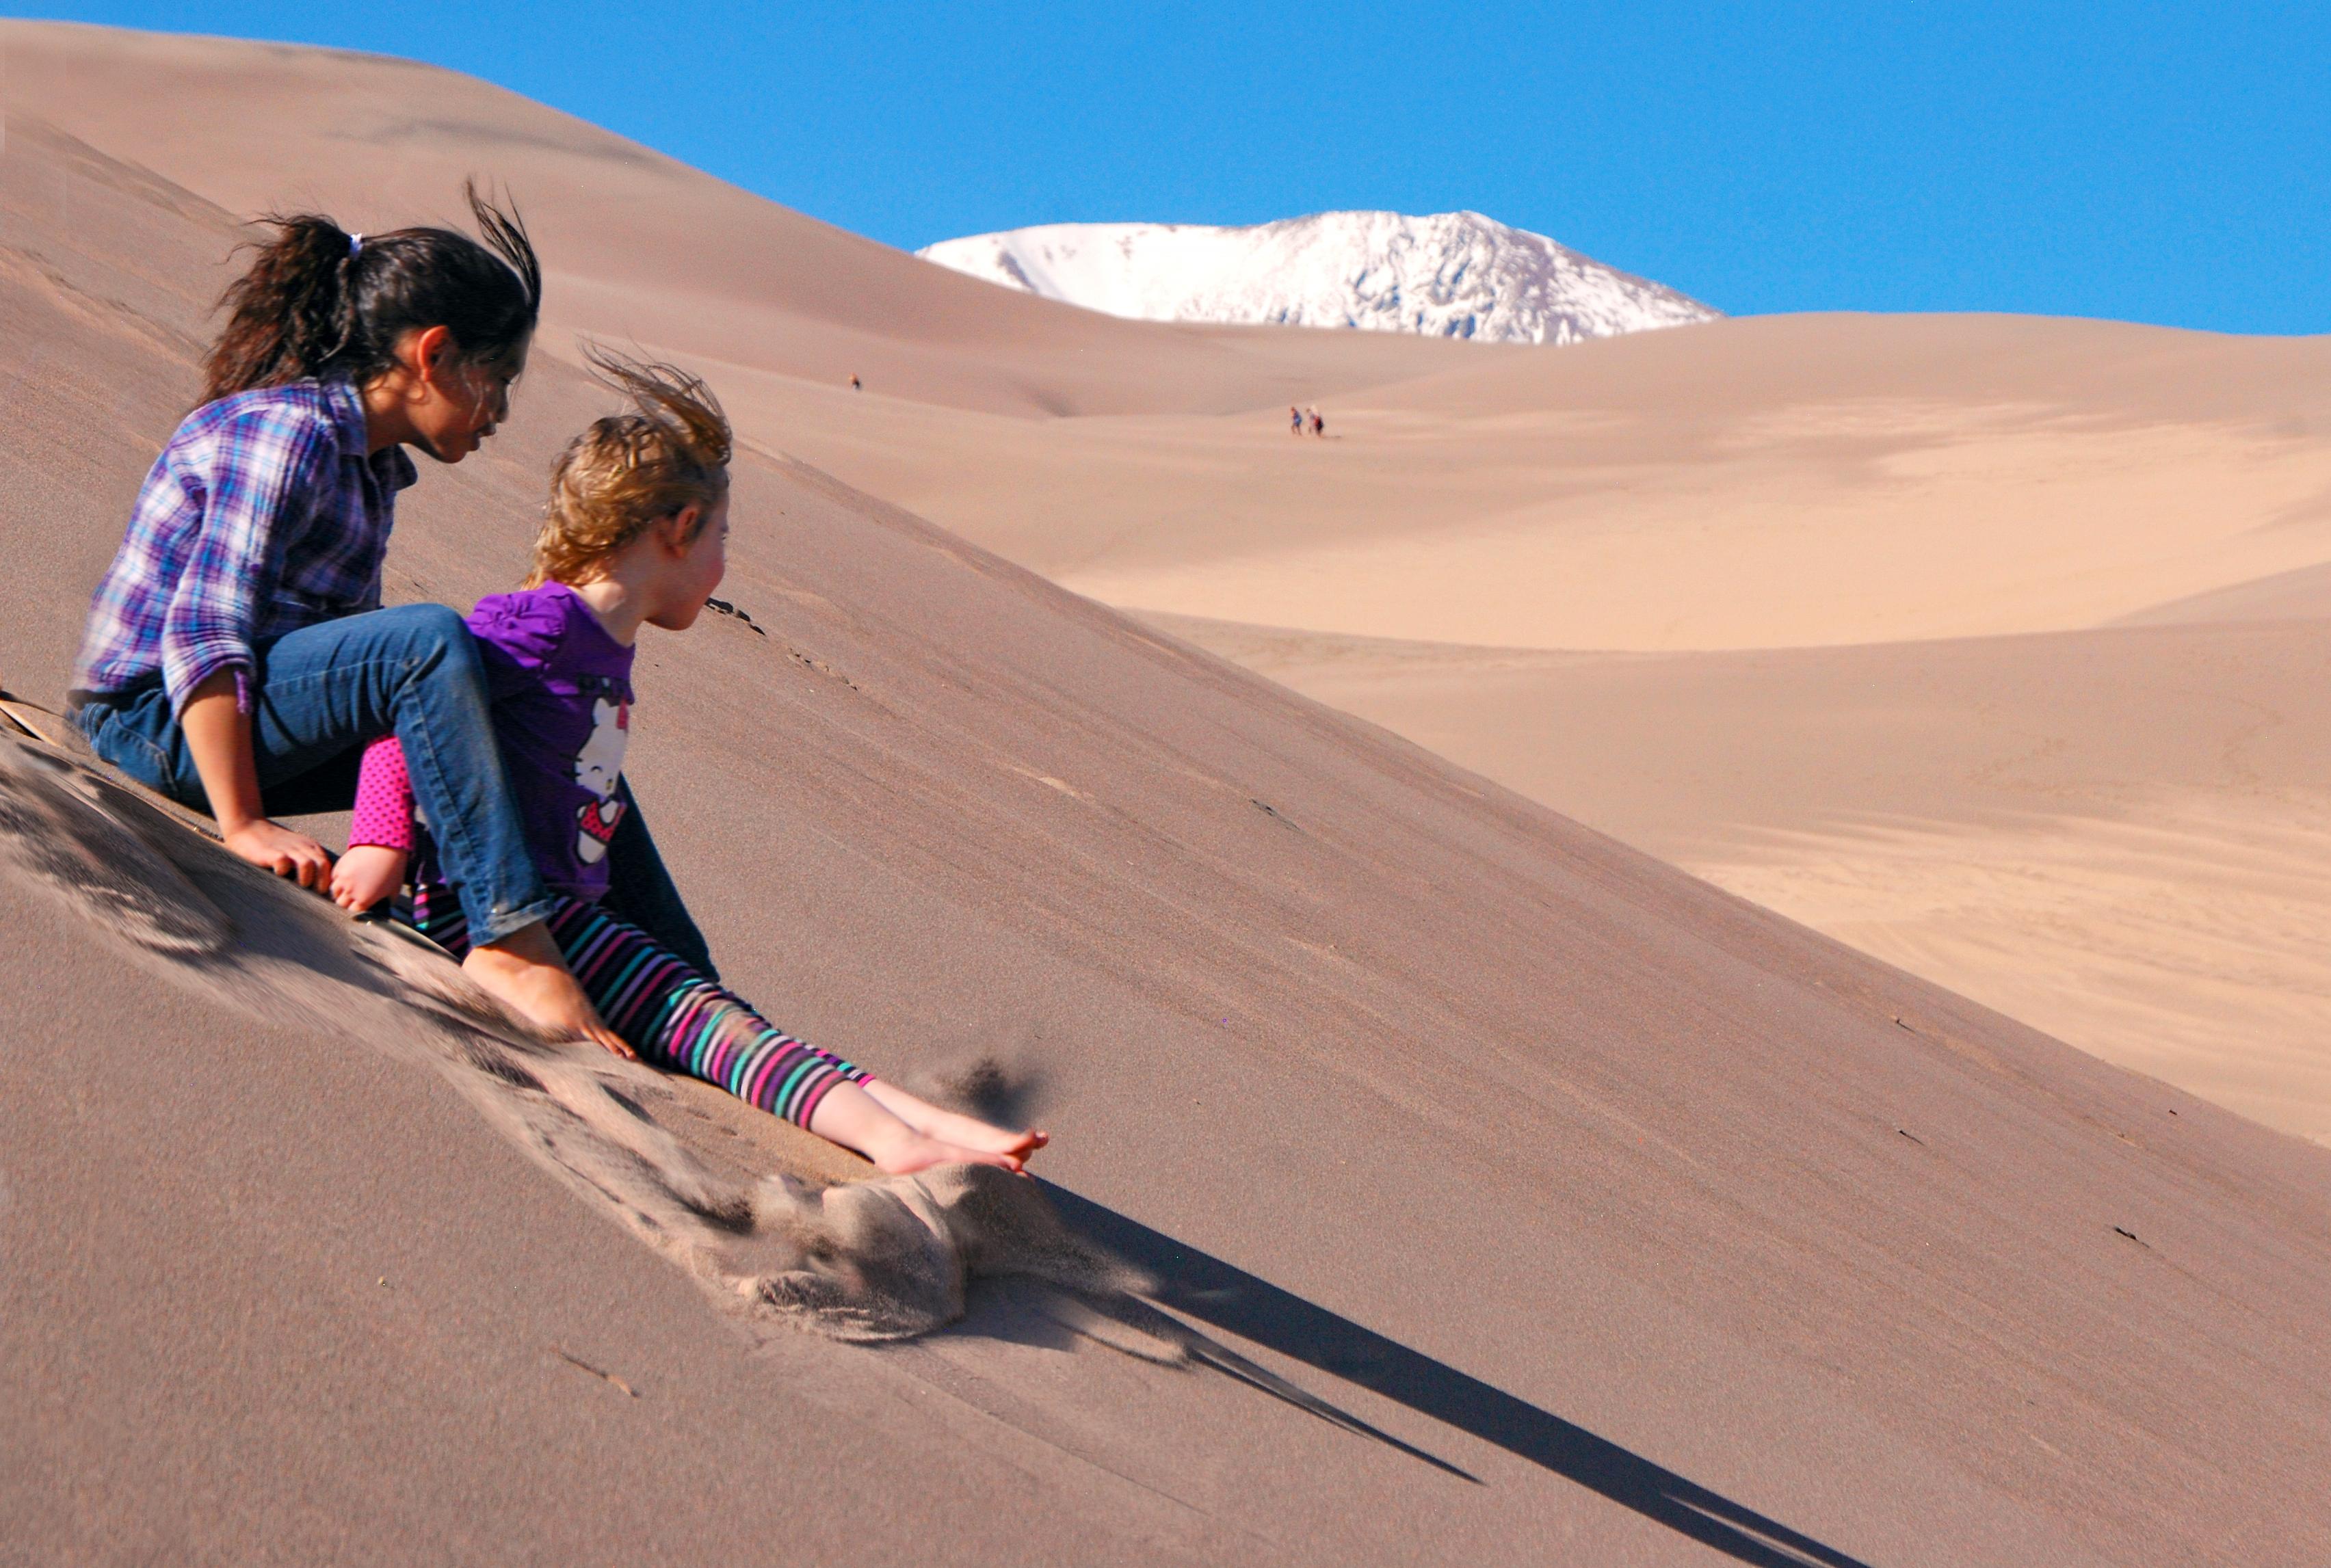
x=692 y=570
x=458 y=405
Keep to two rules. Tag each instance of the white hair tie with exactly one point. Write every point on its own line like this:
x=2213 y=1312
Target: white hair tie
x=356 y=243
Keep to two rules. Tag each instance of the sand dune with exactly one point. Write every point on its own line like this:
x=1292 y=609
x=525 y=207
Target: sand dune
x=2123 y=837
x=1867 y=484
x=694 y=266
x=1636 y=1223
x=1750 y=483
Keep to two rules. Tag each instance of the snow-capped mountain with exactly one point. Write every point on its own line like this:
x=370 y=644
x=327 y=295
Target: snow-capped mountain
x=1449 y=275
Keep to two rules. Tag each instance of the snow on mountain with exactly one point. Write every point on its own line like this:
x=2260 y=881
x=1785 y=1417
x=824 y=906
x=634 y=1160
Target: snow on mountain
x=1449 y=275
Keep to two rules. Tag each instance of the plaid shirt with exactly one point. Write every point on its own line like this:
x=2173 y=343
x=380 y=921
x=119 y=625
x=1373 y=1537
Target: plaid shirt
x=262 y=515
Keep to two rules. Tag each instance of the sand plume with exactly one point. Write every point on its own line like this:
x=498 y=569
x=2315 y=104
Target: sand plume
x=878 y=1258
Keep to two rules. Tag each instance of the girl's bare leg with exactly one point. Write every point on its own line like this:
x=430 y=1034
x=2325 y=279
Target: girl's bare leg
x=851 y=1117
x=954 y=1127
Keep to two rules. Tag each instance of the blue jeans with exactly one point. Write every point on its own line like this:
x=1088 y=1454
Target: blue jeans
x=321 y=694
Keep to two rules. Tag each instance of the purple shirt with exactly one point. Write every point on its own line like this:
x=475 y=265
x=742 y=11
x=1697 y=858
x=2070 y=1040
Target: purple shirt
x=562 y=702
x=265 y=514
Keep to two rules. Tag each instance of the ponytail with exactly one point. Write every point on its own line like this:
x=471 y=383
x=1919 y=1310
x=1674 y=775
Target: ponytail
x=319 y=302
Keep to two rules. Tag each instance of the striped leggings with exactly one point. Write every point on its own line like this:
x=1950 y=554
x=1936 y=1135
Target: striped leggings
x=664 y=1010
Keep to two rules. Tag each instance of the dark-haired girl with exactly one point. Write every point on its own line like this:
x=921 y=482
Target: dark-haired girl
x=237 y=657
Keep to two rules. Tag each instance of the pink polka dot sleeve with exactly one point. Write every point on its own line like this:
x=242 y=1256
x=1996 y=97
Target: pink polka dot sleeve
x=384 y=813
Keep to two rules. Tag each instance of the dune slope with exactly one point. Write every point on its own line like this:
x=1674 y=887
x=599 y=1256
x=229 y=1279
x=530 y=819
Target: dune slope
x=1639 y=1224
x=2120 y=836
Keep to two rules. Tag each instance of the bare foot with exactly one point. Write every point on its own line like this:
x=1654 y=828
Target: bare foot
x=916 y=1153
x=850 y=1114
x=971 y=1132
x=953 y=1127
x=366 y=874
x=526 y=971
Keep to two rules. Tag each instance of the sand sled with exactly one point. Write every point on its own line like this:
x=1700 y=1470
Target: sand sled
x=30 y=718
x=59 y=733
x=54 y=731
x=30 y=721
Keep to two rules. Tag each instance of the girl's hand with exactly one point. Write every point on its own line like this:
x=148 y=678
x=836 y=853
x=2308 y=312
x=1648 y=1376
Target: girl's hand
x=281 y=852
x=218 y=734
x=366 y=874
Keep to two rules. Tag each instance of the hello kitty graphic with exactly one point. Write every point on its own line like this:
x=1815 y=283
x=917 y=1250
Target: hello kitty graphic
x=597 y=766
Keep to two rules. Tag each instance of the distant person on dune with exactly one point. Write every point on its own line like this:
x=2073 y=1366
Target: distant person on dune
x=635 y=535
x=1318 y=424
x=1294 y=420
x=237 y=657
x=856 y=385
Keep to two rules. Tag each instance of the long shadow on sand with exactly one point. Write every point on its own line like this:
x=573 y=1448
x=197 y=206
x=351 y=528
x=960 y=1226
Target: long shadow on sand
x=1213 y=1292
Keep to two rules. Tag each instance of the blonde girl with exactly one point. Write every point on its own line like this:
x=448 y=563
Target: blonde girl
x=635 y=535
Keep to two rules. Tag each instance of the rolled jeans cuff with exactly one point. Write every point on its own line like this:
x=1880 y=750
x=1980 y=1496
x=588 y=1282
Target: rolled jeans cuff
x=499 y=923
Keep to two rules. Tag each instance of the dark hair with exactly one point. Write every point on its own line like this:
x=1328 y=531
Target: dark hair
x=316 y=303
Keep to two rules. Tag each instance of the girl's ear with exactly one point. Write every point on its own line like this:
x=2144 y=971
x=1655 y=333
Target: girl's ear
x=431 y=355
x=678 y=529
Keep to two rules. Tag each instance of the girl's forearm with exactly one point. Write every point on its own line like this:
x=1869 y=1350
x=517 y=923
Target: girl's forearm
x=218 y=734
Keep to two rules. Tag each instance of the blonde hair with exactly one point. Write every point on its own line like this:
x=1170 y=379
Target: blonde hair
x=669 y=452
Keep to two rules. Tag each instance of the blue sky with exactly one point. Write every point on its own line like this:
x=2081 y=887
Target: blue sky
x=2167 y=163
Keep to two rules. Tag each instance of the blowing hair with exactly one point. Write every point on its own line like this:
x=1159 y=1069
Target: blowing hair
x=316 y=302
x=667 y=451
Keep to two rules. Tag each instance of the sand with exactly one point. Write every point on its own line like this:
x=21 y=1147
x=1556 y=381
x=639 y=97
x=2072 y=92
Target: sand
x=2121 y=836
x=1789 y=482
x=1893 y=698
x=1637 y=1223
